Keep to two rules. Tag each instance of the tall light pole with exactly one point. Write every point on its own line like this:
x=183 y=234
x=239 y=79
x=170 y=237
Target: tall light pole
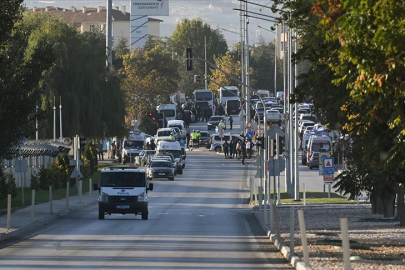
x=205 y=57
x=247 y=57
x=109 y=34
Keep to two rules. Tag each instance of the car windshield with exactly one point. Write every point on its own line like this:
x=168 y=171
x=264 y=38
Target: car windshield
x=123 y=179
x=162 y=133
x=321 y=147
x=161 y=164
x=175 y=126
x=216 y=118
x=133 y=144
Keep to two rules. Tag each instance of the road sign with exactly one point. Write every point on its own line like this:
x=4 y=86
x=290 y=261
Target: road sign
x=274 y=130
x=250 y=134
x=322 y=156
x=328 y=165
x=21 y=165
x=328 y=178
x=73 y=174
x=249 y=125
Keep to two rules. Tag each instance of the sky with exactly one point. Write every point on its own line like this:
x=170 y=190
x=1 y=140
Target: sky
x=219 y=14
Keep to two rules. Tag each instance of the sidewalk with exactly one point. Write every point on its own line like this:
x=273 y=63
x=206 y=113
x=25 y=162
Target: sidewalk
x=21 y=221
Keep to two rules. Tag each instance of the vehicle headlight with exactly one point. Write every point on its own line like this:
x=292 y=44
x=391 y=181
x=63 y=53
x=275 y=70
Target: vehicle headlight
x=143 y=197
x=103 y=197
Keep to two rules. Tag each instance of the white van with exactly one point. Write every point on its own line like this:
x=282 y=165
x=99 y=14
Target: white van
x=174 y=148
x=168 y=111
x=179 y=124
x=320 y=144
x=132 y=146
x=123 y=190
x=215 y=140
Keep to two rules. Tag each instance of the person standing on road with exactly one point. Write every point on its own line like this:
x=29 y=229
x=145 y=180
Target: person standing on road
x=194 y=138
x=238 y=149
x=198 y=138
x=152 y=145
x=243 y=152
x=225 y=146
x=100 y=151
x=188 y=139
x=230 y=121
x=248 y=152
x=113 y=150
x=231 y=149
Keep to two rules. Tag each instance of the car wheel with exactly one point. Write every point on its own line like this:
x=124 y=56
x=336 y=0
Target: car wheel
x=171 y=179
x=100 y=213
x=145 y=215
x=218 y=149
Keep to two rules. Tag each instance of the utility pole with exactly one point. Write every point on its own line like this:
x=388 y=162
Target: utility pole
x=247 y=65
x=242 y=60
x=205 y=57
x=109 y=35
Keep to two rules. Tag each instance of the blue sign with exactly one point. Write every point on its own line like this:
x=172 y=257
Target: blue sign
x=328 y=165
x=250 y=134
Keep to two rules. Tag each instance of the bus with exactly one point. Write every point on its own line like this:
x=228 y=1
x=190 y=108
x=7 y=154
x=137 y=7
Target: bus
x=168 y=111
x=203 y=98
x=228 y=93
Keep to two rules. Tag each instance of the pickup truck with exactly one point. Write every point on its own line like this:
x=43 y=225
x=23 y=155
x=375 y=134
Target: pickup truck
x=274 y=116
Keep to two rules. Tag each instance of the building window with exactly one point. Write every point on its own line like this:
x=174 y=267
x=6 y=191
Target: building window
x=92 y=28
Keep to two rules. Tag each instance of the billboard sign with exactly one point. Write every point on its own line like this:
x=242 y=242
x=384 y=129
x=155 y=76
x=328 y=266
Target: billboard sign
x=150 y=7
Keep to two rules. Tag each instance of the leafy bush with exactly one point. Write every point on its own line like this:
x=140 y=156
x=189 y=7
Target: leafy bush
x=11 y=185
x=34 y=181
x=89 y=158
x=3 y=185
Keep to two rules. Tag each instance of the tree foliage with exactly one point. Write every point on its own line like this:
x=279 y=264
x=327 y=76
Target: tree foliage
x=228 y=64
x=356 y=53
x=23 y=60
x=193 y=34
x=149 y=78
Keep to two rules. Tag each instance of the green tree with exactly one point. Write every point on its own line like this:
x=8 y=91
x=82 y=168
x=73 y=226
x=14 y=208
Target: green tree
x=228 y=64
x=149 y=77
x=192 y=34
x=262 y=61
x=23 y=60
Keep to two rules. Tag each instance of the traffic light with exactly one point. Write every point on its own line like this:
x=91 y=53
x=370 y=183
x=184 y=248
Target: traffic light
x=189 y=62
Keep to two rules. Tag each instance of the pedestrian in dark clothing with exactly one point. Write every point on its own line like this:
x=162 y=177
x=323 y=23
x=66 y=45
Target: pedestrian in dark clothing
x=226 y=148
x=230 y=121
x=100 y=151
x=231 y=148
x=243 y=152
x=188 y=139
x=152 y=145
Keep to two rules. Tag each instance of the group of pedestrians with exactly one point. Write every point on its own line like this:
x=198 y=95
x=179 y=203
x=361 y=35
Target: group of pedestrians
x=193 y=139
x=240 y=150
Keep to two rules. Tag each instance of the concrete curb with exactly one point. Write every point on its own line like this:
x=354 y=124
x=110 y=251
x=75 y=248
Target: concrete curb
x=41 y=222
x=292 y=258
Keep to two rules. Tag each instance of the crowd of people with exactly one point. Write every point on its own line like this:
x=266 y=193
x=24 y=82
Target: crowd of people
x=240 y=150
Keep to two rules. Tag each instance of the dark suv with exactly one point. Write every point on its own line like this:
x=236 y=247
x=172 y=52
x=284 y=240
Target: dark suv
x=205 y=136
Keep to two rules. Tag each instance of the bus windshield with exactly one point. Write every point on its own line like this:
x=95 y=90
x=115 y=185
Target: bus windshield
x=203 y=96
x=230 y=93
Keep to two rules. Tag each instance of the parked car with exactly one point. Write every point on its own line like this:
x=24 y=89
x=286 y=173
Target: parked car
x=204 y=138
x=214 y=121
x=313 y=161
x=160 y=168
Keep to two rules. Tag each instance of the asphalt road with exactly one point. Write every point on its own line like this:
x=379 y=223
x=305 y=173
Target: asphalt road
x=199 y=221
